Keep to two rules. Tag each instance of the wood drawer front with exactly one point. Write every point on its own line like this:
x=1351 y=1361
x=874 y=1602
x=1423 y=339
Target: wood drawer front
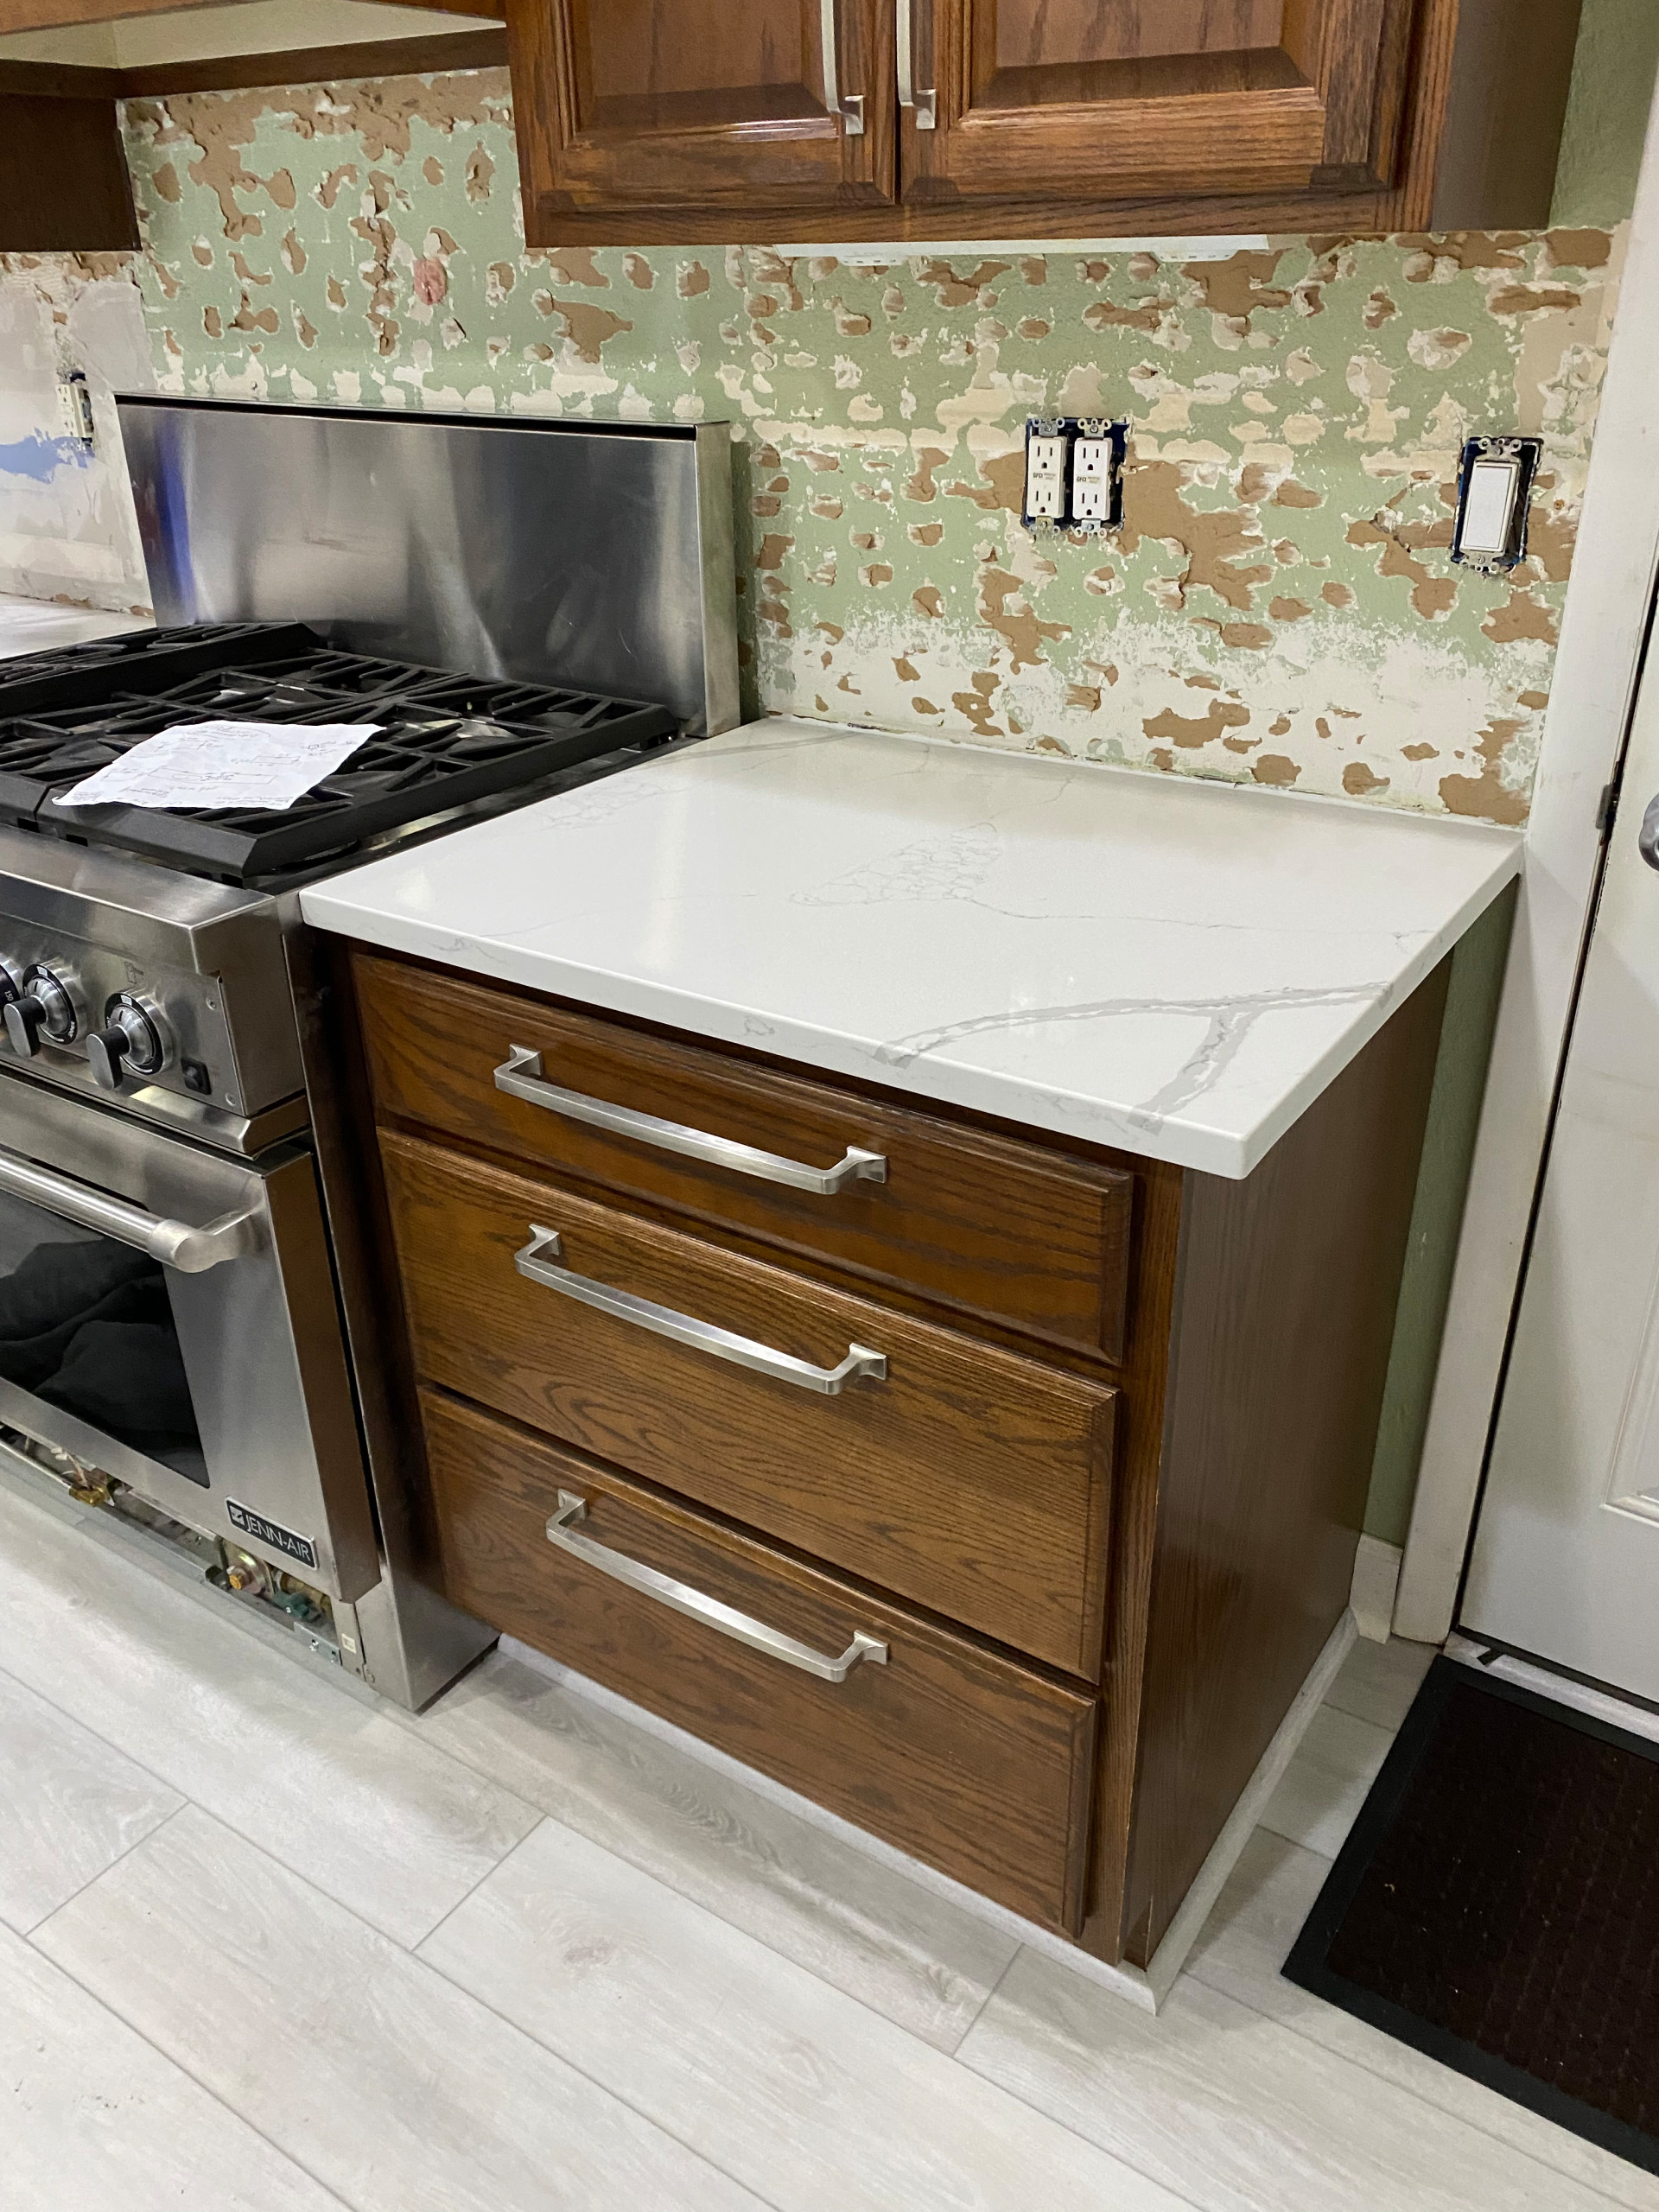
x=1027 y=1237
x=962 y=1758
x=971 y=1480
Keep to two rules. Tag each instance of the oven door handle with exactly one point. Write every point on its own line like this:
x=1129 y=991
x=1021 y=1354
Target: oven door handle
x=175 y=1243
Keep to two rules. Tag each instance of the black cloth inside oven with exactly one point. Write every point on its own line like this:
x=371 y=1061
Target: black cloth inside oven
x=88 y=1327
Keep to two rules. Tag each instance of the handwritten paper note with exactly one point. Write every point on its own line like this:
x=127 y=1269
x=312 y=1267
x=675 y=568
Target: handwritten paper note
x=212 y=764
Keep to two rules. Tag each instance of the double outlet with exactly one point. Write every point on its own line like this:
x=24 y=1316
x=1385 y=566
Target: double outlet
x=1074 y=474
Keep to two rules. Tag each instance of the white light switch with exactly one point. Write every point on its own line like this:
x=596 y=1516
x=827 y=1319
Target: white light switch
x=1489 y=504
x=1045 y=477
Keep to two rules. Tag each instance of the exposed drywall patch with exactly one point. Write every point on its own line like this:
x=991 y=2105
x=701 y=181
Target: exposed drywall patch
x=67 y=526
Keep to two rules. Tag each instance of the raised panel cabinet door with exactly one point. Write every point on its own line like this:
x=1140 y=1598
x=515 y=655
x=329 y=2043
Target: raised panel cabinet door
x=1081 y=100
x=631 y=107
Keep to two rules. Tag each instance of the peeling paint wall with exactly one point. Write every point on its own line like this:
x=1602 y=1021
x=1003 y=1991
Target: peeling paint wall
x=1278 y=606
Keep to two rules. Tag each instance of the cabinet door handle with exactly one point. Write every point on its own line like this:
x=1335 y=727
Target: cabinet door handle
x=850 y=110
x=541 y=1261
x=697 y=1606
x=520 y=1075
x=925 y=103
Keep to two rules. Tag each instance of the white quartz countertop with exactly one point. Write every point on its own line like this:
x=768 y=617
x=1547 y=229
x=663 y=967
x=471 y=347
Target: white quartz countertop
x=1175 y=967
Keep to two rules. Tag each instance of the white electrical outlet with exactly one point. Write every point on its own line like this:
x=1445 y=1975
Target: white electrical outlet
x=1091 y=480
x=75 y=408
x=1046 y=478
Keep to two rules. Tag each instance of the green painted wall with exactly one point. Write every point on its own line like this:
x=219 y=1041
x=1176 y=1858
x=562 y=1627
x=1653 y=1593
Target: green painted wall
x=1437 y=1218
x=1613 y=73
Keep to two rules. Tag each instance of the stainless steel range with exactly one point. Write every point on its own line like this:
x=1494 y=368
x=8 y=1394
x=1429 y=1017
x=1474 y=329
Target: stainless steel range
x=190 y=1331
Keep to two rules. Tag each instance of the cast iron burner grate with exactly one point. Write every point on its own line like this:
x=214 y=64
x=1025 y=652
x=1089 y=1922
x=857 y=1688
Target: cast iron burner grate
x=444 y=742
x=139 y=660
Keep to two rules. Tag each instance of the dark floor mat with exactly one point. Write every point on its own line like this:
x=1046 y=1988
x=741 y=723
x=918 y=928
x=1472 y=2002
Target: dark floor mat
x=1496 y=1905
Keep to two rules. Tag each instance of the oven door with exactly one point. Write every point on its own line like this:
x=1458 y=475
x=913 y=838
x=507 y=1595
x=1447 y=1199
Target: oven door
x=168 y=1317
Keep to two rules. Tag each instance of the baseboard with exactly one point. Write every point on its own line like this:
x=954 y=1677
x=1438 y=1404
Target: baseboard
x=1147 y=1989
x=1229 y=1847
x=1376 y=1577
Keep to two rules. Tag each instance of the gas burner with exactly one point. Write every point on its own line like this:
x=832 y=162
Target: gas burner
x=444 y=743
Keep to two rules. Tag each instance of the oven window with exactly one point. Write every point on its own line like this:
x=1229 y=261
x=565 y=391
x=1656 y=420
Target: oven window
x=86 y=1328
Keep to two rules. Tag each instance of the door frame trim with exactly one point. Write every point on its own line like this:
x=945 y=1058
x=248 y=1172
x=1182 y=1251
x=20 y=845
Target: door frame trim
x=1604 y=640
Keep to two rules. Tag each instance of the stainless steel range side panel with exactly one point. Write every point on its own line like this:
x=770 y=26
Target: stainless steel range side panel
x=595 y=554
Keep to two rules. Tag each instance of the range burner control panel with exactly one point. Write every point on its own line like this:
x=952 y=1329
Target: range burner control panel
x=128 y=1026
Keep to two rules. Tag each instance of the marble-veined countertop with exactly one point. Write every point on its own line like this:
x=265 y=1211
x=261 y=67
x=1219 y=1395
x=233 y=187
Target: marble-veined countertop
x=1175 y=967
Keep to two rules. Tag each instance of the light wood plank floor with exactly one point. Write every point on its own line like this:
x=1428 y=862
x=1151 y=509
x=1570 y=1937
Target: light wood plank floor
x=267 y=1945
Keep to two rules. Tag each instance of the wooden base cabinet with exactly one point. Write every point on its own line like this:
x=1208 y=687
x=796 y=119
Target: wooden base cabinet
x=666 y=121
x=1021 y=1584
x=960 y=1754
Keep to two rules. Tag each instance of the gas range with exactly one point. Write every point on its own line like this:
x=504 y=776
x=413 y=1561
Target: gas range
x=190 y=1334
x=141 y=948
x=199 y=1332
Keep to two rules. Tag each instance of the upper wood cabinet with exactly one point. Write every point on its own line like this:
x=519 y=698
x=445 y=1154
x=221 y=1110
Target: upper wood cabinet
x=715 y=104
x=653 y=121
x=1108 y=99
x=63 y=176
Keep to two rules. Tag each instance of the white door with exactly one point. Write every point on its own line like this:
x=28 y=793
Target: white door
x=1566 y=1560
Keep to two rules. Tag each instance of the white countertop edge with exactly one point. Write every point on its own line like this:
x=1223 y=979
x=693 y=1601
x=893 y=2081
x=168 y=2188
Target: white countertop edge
x=1371 y=1020
x=1186 y=1144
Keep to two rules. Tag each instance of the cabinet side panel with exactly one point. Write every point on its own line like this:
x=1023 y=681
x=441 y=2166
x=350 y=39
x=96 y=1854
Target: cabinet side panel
x=1155 y=1263
x=1510 y=72
x=63 y=177
x=1280 y=1352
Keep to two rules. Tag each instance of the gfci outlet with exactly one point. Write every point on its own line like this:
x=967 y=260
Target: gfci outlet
x=1045 y=477
x=1092 y=471
x=1074 y=475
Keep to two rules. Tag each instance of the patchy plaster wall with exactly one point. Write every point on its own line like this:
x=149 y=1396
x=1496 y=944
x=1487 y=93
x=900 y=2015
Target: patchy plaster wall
x=1279 y=606
x=66 y=524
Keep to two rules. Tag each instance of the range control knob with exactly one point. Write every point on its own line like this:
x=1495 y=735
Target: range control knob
x=42 y=1010
x=11 y=982
x=23 y=1020
x=132 y=1038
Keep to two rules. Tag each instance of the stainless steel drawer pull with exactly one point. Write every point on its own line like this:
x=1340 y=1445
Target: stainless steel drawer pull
x=850 y=110
x=540 y=1261
x=698 y=1606
x=520 y=1075
x=923 y=103
x=175 y=1243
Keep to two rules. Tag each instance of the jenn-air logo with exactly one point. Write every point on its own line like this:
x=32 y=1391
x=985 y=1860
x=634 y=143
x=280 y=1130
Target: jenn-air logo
x=268 y=1532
